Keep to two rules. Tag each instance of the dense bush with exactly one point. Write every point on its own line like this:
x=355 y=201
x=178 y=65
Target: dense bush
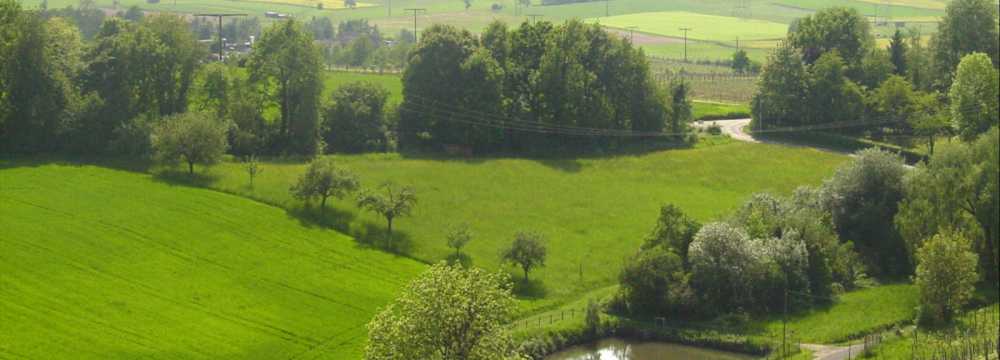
x=354 y=120
x=862 y=198
x=946 y=276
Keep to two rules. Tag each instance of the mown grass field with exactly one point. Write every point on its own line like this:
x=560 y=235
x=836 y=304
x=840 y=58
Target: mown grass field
x=593 y=211
x=704 y=27
x=104 y=264
x=704 y=91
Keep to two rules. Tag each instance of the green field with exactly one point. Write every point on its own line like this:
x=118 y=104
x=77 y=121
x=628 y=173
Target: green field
x=717 y=20
x=593 y=211
x=389 y=82
x=100 y=264
x=704 y=27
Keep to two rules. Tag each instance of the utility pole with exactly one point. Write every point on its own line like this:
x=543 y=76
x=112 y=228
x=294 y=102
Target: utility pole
x=737 y=43
x=389 y=7
x=415 y=11
x=685 y=30
x=534 y=17
x=220 y=16
x=607 y=8
x=631 y=34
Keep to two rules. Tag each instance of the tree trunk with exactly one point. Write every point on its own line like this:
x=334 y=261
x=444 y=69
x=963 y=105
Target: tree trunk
x=389 y=237
x=322 y=204
x=525 y=273
x=190 y=168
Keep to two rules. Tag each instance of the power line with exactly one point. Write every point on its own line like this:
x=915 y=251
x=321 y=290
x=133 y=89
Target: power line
x=415 y=11
x=220 y=16
x=685 y=30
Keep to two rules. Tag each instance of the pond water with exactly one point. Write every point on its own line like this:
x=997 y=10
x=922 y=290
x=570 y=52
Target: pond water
x=620 y=349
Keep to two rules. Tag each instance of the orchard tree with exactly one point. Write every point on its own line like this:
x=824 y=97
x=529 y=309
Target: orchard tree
x=323 y=179
x=975 y=96
x=286 y=65
x=968 y=26
x=448 y=312
x=193 y=138
x=527 y=251
x=391 y=203
x=458 y=236
x=946 y=276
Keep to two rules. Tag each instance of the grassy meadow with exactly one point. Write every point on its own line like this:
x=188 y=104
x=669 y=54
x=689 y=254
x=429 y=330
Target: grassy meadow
x=100 y=263
x=704 y=27
x=593 y=211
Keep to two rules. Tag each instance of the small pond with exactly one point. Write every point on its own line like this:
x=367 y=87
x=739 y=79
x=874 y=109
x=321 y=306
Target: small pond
x=621 y=349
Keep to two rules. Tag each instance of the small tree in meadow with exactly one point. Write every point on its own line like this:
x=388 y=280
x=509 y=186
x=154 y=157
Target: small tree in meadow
x=252 y=167
x=458 y=237
x=194 y=138
x=323 y=180
x=527 y=251
x=946 y=276
x=392 y=202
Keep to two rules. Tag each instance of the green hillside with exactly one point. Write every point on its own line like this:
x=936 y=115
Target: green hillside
x=101 y=264
x=593 y=211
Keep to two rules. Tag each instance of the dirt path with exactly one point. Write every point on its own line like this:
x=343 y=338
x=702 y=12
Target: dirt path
x=830 y=352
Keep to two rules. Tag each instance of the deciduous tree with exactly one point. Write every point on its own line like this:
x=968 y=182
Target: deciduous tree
x=194 y=138
x=447 y=313
x=946 y=276
x=323 y=179
x=527 y=251
x=393 y=202
x=975 y=96
x=968 y=26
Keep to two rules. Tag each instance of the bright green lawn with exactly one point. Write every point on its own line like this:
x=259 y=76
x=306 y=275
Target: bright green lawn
x=855 y=313
x=594 y=212
x=702 y=109
x=704 y=27
x=389 y=82
x=103 y=264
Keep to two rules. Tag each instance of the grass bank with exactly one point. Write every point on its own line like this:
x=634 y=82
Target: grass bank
x=100 y=263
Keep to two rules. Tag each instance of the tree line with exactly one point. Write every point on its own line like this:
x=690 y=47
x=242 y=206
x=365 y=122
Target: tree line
x=829 y=70
x=540 y=86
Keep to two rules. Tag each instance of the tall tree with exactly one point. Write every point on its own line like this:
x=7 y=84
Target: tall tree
x=39 y=97
x=286 y=64
x=897 y=52
x=956 y=191
x=968 y=26
x=832 y=96
x=780 y=91
x=447 y=313
x=946 y=276
x=174 y=72
x=975 y=96
x=835 y=28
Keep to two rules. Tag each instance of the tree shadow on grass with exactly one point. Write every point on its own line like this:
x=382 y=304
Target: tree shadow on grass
x=183 y=178
x=529 y=289
x=365 y=234
x=462 y=259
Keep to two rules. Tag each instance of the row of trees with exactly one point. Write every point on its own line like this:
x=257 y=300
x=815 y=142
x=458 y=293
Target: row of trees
x=939 y=221
x=524 y=87
x=829 y=71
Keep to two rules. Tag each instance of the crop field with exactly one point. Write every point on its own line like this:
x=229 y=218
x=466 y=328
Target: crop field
x=100 y=263
x=923 y=4
x=704 y=27
x=327 y=4
x=593 y=211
